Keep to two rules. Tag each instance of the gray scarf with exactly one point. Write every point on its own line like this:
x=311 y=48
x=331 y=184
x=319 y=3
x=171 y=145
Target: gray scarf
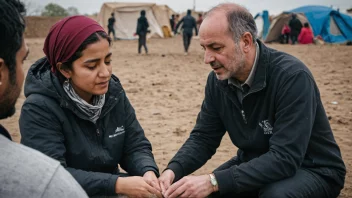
x=92 y=111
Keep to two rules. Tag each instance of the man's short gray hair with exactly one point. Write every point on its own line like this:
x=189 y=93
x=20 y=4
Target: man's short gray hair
x=240 y=20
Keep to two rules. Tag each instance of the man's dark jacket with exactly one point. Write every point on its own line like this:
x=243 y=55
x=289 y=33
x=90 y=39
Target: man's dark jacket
x=142 y=25
x=280 y=127
x=188 y=24
x=51 y=123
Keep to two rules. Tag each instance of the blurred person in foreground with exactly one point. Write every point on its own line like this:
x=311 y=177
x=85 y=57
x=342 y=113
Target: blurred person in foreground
x=24 y=172
x=188 y=24
x=270 y=105
x=77 y=112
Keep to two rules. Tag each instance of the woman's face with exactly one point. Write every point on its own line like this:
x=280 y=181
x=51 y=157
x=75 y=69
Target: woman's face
x=90 y=74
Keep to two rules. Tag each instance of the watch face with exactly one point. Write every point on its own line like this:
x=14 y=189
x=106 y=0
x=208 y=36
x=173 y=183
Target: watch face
x=213 y=182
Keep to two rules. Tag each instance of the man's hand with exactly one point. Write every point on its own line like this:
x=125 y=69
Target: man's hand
x=135 y=187
x=166 y=179
x=190 y=186
x=152 y=180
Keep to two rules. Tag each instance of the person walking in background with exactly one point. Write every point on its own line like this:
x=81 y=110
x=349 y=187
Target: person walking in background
x=111 y=26
x=77 y=112
x=295 y=26
x=172 y=23
x=188 y=24
x=24 y=172
x=142 y=30
x=177 y=19
x=306 y=36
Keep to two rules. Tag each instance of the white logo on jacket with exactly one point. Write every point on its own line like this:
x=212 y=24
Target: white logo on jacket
x=268 y=129
x=119 y=130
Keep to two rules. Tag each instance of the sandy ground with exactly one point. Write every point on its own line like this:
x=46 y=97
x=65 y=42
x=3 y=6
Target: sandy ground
x=166 y=89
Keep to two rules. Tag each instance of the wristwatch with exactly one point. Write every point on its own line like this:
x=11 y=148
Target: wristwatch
x=213 y=181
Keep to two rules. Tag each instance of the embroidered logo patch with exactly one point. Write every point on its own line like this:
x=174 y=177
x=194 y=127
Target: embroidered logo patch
x=118 y=131
x=268 y=129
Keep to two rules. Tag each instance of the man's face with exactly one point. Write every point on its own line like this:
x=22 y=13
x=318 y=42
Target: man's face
x=9 y=90
x=225 y=57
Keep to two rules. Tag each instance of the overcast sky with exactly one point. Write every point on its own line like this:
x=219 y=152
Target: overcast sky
x=254 y=6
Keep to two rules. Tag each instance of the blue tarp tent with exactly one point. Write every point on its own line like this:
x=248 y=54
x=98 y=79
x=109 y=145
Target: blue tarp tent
x=330 y=24
x=263 y=24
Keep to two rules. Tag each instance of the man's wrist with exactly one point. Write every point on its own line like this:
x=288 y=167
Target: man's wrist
x=213 y=182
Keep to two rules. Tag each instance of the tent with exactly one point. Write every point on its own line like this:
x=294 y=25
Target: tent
x=126 y=15
x=331 y=25
x=263 y=23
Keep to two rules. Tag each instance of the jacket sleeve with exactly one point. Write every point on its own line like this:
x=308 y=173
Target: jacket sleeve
x=295 y=113
x=137 y=153
x=43 y=132
x=204 y=139
x=178 y=25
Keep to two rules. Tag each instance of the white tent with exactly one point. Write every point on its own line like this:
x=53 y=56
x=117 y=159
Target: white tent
x=126 y=15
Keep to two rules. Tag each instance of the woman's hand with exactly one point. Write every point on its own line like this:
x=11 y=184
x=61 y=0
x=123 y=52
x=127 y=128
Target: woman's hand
x=136 y=187
x=152 y=180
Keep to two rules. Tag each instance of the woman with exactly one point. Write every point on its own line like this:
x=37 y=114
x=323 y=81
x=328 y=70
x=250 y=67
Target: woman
x=77 y=112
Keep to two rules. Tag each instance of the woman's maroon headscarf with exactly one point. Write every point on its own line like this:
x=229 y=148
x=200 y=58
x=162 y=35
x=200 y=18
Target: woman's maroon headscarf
x=66 y=36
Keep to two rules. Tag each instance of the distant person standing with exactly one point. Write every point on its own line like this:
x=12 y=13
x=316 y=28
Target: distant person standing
x=142 y=30
x=200 y=20
x=188 y=24
x=111 y=26
x=285 y=34
x=172 y=23
x=306 y=36
x=295 y=26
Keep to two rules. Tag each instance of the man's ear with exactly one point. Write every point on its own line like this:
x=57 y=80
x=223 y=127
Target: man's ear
x=247 y=40
x=64 y=71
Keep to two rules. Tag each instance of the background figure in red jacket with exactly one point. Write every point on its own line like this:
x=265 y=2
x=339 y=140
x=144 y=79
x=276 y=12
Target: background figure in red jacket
x=306 y=35
x=285 y=34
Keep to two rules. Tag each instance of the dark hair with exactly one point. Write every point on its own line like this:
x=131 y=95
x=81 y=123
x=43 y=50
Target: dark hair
x=112 y=14
x=200 y=14
x=143 y=12
x=12 y=26
x=93 y=38
x=240 y=20
x=189 y=12
x=306 y=24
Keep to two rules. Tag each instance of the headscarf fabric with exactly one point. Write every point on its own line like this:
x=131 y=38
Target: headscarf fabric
x=66 y=36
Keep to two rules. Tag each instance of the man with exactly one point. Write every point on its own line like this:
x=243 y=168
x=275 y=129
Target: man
x=200 y=20
x=269 y=104
x=172 y=23
x=142 y=30
x=188 y=24
x=111 y=25
x=24 y=172
x=295 y=26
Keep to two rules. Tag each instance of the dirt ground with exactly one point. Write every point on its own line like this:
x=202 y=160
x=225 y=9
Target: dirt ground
x=166 y=89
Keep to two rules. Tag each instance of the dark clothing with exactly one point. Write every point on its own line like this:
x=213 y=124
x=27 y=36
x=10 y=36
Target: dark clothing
x=5 y=133
x=304 y=183
x=279 y=128
x=111 y=22
x=188 y=24
x=142 y=25
x=142 y=41
x=172 y=24
x=295 y=27
x=142 y=30
x=111 y=30
x=186 y=40
x=51 y=123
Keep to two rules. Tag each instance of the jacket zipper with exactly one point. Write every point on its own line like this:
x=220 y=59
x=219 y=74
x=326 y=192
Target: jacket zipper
x=242 y=110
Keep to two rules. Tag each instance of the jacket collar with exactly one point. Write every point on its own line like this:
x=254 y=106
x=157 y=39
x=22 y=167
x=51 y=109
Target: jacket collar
x=260 y=75
x=4 y=132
